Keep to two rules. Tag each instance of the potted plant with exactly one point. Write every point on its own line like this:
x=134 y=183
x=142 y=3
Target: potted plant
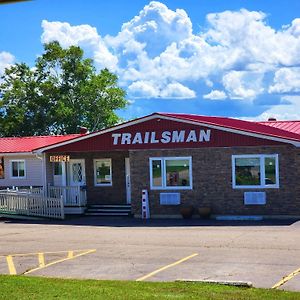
x=187 y=211
x=204 y=212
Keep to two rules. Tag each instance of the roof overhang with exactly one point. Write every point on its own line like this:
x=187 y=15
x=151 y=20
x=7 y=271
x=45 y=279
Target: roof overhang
x=17 y=154
x=170 y=118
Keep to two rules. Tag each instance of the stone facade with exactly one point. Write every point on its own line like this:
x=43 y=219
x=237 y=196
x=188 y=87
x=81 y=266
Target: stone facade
x=212 y=182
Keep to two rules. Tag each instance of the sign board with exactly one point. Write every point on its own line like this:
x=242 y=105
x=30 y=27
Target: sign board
x=254 y=198
x=59 y=158
x=165 y=137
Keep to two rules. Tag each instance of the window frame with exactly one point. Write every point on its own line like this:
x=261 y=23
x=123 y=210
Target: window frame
x=262 y=158
x=95 y=172
x=11 y=168
x=164 y=173
x=60 y=168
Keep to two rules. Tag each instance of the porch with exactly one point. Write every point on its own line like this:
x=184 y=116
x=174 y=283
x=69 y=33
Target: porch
x=89 y=179
x=54 y=202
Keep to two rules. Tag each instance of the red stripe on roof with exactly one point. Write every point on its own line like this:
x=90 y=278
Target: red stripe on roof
x=27 y=144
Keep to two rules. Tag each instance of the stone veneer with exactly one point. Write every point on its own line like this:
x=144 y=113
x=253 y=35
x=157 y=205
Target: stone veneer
x=212 y=182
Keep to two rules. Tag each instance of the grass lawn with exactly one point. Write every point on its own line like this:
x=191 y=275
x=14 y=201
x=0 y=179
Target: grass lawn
x=21 y=287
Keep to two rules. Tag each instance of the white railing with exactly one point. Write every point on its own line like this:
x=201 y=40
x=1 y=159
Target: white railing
x=20 y=203
x=30 y=190
x=72 y=195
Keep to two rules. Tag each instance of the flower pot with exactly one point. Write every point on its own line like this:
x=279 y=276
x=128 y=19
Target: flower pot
x=204 y=212
x=187 y=212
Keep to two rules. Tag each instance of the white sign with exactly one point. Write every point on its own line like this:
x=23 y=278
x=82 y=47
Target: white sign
x=166 y=137
x=254 y=198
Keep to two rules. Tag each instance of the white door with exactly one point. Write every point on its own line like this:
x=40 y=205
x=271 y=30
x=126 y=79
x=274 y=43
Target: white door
x=127 y=179
x=76 y=172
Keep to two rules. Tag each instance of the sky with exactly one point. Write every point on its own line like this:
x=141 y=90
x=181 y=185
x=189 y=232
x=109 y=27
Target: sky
x=232 y=58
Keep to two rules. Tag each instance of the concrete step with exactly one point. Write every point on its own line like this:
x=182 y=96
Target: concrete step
x=110 y=206
x=108 y=210
x=116 y=214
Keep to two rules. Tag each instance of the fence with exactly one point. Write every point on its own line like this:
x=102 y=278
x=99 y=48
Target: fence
x=31 y=204
x=72 y=195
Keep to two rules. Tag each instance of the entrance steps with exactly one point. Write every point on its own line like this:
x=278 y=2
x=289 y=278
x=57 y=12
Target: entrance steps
x=113 y=210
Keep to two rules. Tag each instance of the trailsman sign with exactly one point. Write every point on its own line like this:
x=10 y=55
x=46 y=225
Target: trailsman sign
x=175 y=136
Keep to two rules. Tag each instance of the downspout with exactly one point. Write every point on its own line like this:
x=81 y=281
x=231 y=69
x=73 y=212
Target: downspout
x=42 y=157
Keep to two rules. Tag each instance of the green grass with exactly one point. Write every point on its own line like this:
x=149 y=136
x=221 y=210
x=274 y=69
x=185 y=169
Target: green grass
x=21 y=287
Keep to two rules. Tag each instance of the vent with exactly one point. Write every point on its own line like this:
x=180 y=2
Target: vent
x=254 y=198
x=169 y=198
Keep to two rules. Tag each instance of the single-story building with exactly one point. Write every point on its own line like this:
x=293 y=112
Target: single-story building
x=19 y=166
x=235 y=167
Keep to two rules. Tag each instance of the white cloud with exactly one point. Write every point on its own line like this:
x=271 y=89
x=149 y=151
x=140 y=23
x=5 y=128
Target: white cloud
x=143 y=89
x=85 y=36
x=286 y=80
x=150 y=89
x=289 y=110
x=215 y=95
x=6 y=59
x=243 y=85
x=178 y=91
x=157 y=54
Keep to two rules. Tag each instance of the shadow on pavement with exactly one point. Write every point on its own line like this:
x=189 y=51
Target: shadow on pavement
x=131 y=222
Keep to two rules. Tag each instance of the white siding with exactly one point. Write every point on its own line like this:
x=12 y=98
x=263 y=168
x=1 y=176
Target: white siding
x=33 y=176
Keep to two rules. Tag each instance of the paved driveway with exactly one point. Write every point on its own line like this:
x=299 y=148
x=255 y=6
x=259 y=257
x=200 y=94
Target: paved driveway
x=127 y=249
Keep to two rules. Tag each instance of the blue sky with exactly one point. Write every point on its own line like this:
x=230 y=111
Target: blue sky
x=238 y=59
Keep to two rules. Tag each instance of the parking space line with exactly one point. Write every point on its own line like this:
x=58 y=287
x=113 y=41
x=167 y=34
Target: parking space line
x=70 y=254
x=35 y=253
x=286 y=279
x=41 y=259
x=167 y=267
x=59 y=261
x=11 y=265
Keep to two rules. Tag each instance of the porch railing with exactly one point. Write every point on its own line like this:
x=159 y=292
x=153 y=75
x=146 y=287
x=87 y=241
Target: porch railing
x=30 y=204
x=72 y=195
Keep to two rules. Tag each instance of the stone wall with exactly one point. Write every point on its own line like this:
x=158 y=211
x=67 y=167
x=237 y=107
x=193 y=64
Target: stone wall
x=212 y=182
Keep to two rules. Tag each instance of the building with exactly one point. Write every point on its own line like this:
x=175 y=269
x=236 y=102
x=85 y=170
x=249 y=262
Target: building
x=235 y=167
x=19 y=166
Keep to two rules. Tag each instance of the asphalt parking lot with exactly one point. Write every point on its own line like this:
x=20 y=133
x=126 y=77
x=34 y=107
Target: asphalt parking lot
x=160 y=250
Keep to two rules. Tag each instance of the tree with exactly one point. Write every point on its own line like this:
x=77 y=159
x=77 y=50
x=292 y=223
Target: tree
x=61 y=93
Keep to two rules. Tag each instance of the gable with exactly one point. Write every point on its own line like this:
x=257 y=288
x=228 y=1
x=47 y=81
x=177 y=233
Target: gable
x=160 y=133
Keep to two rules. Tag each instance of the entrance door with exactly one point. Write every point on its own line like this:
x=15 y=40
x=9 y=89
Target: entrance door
x=127 y=179
x=76 y=172
x=75 y=196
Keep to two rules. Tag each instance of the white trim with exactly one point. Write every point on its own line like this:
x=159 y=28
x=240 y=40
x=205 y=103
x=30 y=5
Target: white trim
x=95 y=170
x=17 y=154
x=157 y=115
x=262 y=171
x=124 y=125
x=11 y=169
x=44 y=170
x=128 y=180
x=163 y=168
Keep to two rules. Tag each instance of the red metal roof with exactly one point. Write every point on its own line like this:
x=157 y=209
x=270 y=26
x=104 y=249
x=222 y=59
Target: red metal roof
x=291 y=126
x=241 y=125
x=27 y=144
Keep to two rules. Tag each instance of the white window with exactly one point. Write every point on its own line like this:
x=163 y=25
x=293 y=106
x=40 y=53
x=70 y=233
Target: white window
x=17 y=168
x=102 y=172
x=171 y=173
x=255 y=171
x=57 y=168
